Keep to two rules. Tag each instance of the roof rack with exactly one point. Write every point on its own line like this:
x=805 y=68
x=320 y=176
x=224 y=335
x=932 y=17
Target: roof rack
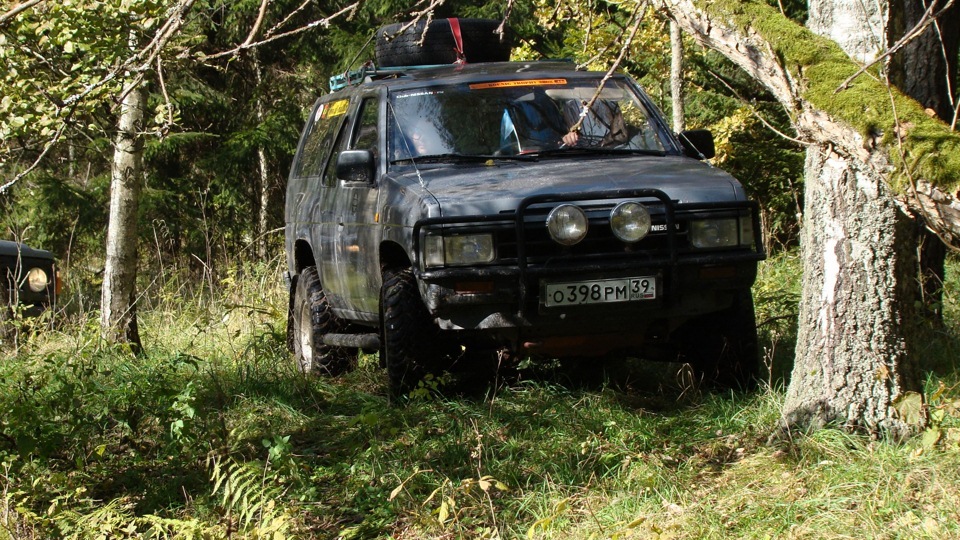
x=357 y=76
x=368 y=70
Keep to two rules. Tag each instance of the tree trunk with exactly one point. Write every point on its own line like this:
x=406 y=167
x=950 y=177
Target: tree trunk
x=926 y=70
x=676 y=76
x=118 y=318
x=858 y=27
x=263 y=179
x=853 y=359
x=852 y=362
x=853 y=365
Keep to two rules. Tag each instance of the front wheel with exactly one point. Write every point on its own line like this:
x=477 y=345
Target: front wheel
x=312 y=318
x=722 y=347
x=406 y=329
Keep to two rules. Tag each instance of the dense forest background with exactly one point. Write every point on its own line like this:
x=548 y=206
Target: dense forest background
x=214 y=119
x=212 y=433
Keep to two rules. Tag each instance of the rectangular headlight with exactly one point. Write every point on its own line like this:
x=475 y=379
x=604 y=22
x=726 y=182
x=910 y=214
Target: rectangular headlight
x=432 y=251
x=462 y=250
x=715 y=233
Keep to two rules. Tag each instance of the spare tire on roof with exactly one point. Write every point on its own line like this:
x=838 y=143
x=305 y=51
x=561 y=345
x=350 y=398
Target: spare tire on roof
x=480 y=41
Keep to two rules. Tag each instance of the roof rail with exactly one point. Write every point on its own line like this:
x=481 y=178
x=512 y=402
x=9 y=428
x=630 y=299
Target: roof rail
x=357 y=76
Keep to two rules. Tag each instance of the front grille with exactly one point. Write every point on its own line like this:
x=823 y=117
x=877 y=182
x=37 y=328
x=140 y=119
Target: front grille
x=523 y=243
x=540 y=249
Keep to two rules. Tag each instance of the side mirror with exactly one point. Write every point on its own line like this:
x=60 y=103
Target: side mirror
x=698 y=143
x=356 y=166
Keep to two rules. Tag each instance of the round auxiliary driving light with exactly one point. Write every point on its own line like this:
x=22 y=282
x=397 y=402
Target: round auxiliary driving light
x=37 y=279
x=630 y=221
x=567 y=224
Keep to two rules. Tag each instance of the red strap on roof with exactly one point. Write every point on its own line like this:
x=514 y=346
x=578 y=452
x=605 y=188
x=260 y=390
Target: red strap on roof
x=457 y=40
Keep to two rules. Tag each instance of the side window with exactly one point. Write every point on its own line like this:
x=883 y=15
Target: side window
x=365 y=137
x=327 y=118
x=330 y=172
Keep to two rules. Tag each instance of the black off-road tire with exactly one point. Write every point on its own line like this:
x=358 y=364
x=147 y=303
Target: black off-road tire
x=312 y=319
x=722 y=347
x=291 y=325
x=406 y=331
x=480 y=43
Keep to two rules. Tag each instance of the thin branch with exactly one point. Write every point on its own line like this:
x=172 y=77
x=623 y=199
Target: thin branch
x=325 y=22
x=257 y=23
x=135 y=64
x=501 y=30
x=928 y=18
x=18 y=9
x=166 y=96
x=286 y=19
x=46 y=149
x=756 y=113
x=637 y=16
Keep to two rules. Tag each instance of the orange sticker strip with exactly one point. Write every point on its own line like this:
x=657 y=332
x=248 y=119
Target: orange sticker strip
x=513 y=84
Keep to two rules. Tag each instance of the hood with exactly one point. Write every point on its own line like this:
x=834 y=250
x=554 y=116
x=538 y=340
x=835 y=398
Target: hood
x=13 y=249
x=485 y=189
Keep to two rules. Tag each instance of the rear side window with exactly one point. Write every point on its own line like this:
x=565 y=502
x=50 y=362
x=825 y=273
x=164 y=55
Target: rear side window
x=366 y=136
x=327 y=118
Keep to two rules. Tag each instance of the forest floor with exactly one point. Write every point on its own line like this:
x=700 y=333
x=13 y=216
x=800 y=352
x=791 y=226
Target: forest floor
x=214 y=434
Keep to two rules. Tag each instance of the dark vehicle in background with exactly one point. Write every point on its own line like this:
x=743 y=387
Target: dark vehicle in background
x=29 y=280
x=443 y=216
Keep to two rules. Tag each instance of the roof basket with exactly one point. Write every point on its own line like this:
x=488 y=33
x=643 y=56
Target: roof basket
x=369 y=71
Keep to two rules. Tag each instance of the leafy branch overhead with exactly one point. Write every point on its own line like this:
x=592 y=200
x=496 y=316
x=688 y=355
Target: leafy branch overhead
x=865 y=118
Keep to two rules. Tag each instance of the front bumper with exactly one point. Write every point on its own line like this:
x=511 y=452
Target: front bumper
x=507 y=298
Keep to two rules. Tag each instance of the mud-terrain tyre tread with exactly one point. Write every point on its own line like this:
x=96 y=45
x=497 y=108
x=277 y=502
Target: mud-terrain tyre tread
x=310 y=304
x=480 y=43
x=406 y=327
x=291 y=329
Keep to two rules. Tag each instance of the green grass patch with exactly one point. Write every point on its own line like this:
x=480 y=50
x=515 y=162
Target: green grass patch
x=213 y=434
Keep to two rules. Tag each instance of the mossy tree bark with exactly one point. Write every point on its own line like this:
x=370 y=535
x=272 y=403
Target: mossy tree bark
x=856 y=326
x=877 y=157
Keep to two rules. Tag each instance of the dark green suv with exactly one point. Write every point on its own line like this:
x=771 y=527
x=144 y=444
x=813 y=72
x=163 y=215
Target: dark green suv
x=448 y=215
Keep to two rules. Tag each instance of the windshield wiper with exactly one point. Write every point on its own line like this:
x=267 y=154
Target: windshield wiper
x=596 y=150
x=462 y=158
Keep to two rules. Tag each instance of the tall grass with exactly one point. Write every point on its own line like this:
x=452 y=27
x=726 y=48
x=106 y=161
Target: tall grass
x=213 y=434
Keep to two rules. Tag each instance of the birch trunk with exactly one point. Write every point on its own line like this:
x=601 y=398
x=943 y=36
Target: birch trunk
x=263 y=178
x=118 y=318
x=853 y=365
x=853 y=361
x=676 y=77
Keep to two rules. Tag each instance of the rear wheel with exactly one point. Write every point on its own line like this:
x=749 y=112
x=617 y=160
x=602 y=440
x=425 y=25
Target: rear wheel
x=722 y=347
x=312 y=318
x=406 y=331
x=291 y=325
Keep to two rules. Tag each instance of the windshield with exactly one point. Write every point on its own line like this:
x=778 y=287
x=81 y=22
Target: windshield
x=515 y=117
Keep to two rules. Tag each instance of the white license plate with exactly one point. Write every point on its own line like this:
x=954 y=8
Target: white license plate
x=601 y=291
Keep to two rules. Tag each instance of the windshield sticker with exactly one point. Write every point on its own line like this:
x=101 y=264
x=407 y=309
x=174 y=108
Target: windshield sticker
x=514 y=84
x=417 y=93
x=334 y=108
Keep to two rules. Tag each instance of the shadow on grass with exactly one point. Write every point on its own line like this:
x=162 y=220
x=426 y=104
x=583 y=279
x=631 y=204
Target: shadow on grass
x=144 y=431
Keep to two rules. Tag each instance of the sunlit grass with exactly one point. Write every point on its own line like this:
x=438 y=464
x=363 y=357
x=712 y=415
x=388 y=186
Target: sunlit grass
x=94 y=439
